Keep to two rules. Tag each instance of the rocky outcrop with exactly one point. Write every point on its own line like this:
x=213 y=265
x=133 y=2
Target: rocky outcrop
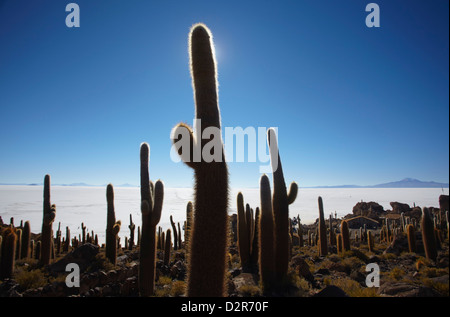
x=398 y=208
x=368 y=209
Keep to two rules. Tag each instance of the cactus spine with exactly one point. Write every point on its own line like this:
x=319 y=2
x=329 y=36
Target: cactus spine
x=428 y=237
x=206 y=273
x=323 y=248
x=112 y=227
x=47 y=222
x=152 y=197
x=280 y=207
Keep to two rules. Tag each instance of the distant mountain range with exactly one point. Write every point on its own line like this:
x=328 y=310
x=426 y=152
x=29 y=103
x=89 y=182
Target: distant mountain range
x=404 y=183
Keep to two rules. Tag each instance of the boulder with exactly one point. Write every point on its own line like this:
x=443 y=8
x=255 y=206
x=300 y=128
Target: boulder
x=83 y=256
x=331 y=291
x=406 y=290
x=398 y=208
x=368 y=209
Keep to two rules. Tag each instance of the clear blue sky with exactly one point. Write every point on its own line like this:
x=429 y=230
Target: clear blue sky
x=353 y=105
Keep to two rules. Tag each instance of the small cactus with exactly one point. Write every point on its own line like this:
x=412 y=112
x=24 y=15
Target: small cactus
x=411 y=234
x=175 y=234
x=370 y=241
x=167 y=247
x=345 y=236
x=132 y=227
x=26 y=238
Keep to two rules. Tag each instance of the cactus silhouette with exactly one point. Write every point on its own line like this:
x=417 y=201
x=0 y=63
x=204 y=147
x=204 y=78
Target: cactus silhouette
x=428 y=237
x=208 y=240
x=26 y=238
x=132 y=227
x=152 y=196
x=266 y=237
x=323 y=248
x=167 y=247
x=243 y=234
x=175 y=234
x=345 y=233
x=47 y=222
x=280 y=207
x=112 y=226
x=8 y=253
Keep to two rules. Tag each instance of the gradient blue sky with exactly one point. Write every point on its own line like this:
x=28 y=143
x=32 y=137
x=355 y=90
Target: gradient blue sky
x=353 y=105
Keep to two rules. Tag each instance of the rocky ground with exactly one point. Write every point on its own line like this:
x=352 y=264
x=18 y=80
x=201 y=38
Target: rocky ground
x=403 y=274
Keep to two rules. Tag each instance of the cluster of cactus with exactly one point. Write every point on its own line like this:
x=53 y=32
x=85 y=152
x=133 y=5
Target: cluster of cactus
x=248 y=233
x=279 y=210
x=206 y=269
x=177 y=241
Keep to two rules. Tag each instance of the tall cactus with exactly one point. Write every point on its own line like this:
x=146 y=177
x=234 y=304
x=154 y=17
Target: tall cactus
x=323 y=248
x=266 y=237
x=208 y=240
x=47 y=222
x=8 y=253
x=243 y=234
x=152 y=196
x=280 y=206
x=428 y=237
x=411 y=234
x=112 y=227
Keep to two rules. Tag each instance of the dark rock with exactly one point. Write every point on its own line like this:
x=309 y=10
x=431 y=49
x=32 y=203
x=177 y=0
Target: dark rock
x=323 y=271
x=83 y=256
x=331 y=291
x=368 y=209
x=406 y=290
x=398 y=245
x=302 y=268
x=398 y=208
